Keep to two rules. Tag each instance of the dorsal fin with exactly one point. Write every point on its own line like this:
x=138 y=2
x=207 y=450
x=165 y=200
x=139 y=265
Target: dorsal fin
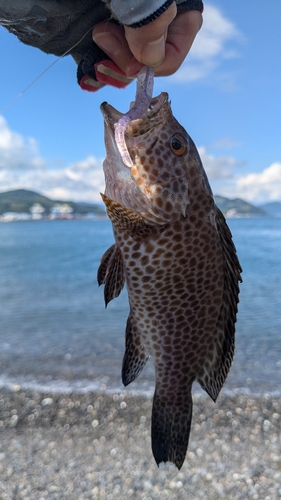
x=125 y=219
x=213 y=383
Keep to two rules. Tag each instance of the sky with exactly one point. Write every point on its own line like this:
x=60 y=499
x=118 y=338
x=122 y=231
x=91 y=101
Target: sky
x=227 y=95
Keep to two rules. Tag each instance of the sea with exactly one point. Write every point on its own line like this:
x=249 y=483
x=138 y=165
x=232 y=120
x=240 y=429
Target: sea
x=57 y=336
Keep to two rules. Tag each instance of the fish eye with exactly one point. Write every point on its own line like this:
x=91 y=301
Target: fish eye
x=178 y=144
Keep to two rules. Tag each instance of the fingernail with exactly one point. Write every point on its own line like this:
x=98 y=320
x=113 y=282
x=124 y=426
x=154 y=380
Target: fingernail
x=108 y=42
x=133 y=68
x=153 y=53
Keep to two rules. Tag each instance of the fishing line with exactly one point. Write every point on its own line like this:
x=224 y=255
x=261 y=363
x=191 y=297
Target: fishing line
x=41 y=74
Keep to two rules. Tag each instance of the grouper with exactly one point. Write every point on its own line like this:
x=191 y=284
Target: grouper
x=175 y=252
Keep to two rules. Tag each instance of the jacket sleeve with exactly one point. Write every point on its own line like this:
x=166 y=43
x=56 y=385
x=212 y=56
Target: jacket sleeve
x=58 y=27
x=54 y=26
x=138 y=13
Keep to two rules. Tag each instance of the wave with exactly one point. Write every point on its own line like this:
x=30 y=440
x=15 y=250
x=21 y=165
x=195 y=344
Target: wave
x=108 y=386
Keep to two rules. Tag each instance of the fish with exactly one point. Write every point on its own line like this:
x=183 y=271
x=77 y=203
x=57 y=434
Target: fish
x=175 y=253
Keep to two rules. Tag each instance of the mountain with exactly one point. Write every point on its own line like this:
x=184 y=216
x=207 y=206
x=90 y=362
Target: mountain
x=273 y=209
x=21 y=201
x=238 y=208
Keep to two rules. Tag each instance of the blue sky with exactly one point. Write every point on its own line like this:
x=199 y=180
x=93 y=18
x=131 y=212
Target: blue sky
x=227 y=95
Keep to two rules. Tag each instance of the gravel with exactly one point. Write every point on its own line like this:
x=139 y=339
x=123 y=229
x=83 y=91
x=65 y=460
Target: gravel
x=97 y=446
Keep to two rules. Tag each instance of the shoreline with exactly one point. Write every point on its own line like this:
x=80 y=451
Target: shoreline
x=110 y=385
x=97 y=446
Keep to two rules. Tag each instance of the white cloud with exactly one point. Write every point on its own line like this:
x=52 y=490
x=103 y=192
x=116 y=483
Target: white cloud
x=213 y=44
x=262 y=186
x=17 y=152
x=255 y=187
x=21 y=166
x=217 y=167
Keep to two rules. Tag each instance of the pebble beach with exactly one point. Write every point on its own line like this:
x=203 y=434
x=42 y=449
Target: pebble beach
x=97 y=446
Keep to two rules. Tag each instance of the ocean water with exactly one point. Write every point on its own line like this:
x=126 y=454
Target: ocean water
x=55 y=333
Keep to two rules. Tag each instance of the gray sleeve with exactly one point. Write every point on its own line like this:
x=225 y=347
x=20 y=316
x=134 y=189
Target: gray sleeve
x=138 y=13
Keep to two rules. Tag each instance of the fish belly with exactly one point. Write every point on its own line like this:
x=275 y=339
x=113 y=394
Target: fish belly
x=174 y=280
x=175 y=286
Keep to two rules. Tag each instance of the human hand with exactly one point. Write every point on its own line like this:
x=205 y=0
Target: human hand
x=162 y=44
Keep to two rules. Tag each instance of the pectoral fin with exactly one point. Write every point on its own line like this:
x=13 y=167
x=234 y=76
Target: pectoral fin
x=135 y=356
x=125 y=219
x=103 y=268
x=111 y=273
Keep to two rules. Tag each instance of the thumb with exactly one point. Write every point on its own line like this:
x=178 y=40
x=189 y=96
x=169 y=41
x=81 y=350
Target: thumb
x=147 y=43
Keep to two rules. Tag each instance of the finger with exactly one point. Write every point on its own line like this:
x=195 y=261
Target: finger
x=111 y=39
x=181 y=34
x=147 y=43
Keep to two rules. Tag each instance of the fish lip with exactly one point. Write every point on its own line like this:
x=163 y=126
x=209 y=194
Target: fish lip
x=112 y=115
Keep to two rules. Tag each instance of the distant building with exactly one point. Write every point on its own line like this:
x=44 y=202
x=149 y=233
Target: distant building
x=36 y=211
x=61 y=211
x=14 y=216
x=232 y=213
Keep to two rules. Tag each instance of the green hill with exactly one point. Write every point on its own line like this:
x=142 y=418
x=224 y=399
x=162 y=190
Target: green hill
x=21 y=200
x=273 y=208
x=238 y=208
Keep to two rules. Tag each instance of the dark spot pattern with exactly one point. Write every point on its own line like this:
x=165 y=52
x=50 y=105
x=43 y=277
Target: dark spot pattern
x=182 y=280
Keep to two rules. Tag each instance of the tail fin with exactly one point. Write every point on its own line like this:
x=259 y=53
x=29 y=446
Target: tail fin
x=170 y=429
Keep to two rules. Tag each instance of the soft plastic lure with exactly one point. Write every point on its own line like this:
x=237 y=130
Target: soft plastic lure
x=143 y=98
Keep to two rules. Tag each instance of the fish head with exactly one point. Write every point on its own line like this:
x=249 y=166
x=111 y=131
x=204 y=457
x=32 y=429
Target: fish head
x=162 y=153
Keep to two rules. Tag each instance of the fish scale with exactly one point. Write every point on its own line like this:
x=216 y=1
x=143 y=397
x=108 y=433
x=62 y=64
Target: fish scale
x=174 y=251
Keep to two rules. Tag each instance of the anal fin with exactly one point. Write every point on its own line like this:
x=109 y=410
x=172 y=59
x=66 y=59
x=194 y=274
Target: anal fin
x=135 y=356
x=111 y=273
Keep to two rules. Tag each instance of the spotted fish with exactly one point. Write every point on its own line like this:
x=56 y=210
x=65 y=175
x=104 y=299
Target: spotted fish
x=174 y=251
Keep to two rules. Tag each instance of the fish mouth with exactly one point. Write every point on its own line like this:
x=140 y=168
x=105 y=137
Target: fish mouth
x=150 y=119
x=120 y=184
